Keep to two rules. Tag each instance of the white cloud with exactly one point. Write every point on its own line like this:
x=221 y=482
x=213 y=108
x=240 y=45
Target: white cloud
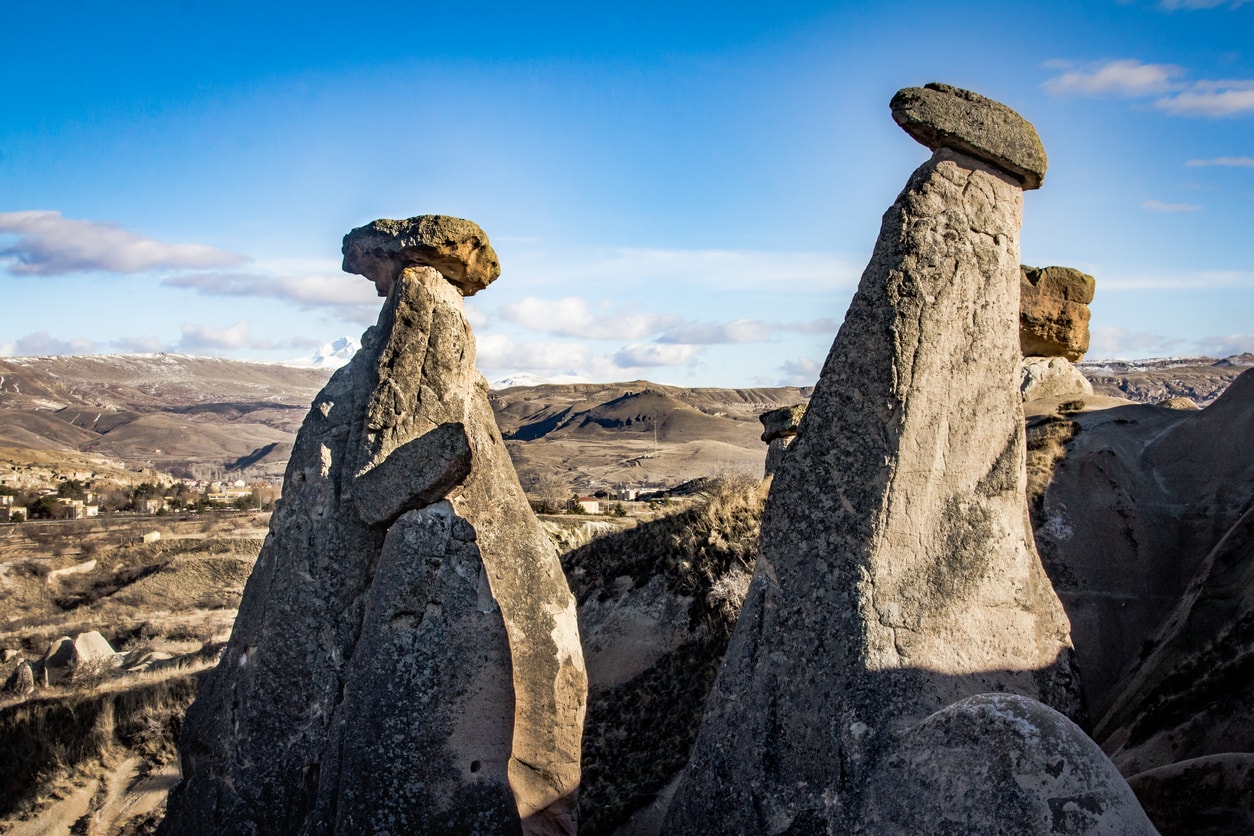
x=647 y=355
x=571 y=317
x=42 y=343
x=1120 y=78
x=1211 y=98
x=499 y=352
x=1159 y=206
x=7 y=349
x=1133 y=79
x=140 y=345
x=50 y=245
x=306 y=291
x=1241 y=162
x=1226 y=346
x=197 y=337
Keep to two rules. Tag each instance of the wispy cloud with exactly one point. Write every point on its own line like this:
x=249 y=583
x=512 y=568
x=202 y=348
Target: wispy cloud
x=198 y=337
x=648 y=355
x=1130 y=78
x=7 y=349
x=573 y=317
x=1211 y=98
x=1241 y=162
x=355 y=297
x=42 y=343
x=1118 y=78
x=1174 y=5
x=498 y=352
x=50 y=245
x=1112 y=343
x=800 y=372
x=1159 y=206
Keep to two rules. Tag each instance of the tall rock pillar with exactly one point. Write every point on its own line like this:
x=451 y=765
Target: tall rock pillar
x=406 y=657
x=897 y=572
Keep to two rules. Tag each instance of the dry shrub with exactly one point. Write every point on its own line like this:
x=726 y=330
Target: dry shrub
x=1047 y=445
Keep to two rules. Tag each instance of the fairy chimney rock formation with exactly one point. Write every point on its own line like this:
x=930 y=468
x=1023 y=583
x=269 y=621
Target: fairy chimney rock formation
x=1054 y=311
x=897 y=572
x=779 y=429
x=457 y=248
x=406 y=657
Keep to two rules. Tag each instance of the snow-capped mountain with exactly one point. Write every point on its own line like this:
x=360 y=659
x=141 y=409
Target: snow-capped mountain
x=333 y=355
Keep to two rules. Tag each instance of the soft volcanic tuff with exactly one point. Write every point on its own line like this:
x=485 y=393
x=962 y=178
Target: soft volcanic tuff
x=940 y=116
x=406 y=656
x=896 y=572
x=457 y=248
x=1054 y=312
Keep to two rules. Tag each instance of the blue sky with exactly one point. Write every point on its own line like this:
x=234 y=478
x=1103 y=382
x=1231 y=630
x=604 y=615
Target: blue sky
x=684 y=192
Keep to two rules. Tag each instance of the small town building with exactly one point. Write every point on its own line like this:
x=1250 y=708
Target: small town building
x=586 y=504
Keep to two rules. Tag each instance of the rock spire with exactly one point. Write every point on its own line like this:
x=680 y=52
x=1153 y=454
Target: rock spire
x=406 y=656
x=896 y=573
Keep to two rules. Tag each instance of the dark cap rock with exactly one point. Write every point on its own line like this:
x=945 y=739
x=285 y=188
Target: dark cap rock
x=941 y=116
x=457 y=248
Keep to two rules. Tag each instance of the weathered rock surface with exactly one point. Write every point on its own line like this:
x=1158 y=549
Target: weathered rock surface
x=1130 y=514
x=999 y=763
x=896 y=572
x=457 y=248
x=66 y=658
x=1191 y=694
x=1051 y=377
x=406 y=656
x=941 y=116
x=1210 y=796
x=1054 y=312
x=16 y=678
x=779 y=430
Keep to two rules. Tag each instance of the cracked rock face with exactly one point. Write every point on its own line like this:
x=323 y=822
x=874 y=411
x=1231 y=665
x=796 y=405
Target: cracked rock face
x=406 y=656
x=896 y=572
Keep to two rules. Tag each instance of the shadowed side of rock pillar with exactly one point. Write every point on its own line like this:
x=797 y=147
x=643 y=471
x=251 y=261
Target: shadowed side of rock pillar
x=897 y=572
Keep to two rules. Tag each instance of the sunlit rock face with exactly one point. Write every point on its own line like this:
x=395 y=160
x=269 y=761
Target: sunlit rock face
x=406 y=657
x=897 y=571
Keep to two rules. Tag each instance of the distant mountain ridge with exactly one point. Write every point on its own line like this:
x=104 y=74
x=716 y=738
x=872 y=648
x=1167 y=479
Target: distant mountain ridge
x=189 y=414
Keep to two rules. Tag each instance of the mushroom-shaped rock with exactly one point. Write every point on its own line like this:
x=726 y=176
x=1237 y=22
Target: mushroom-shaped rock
x=457 y=248
x=941 y=116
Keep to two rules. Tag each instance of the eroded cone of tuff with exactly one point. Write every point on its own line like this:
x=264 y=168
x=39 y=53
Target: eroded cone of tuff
x=897 y=572
x=941 y=116
x=406 y=657
x=457 y=248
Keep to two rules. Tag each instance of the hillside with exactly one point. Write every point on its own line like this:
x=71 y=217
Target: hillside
x=200 y=416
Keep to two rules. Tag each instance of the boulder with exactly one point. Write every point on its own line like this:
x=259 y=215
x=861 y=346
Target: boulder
x=941 y=116
x=1179 y=403
x=406 y=656
x=896 y=571
x=999 y=763
x=57 y=664
x=1051 y=377
x=457 y=248
x=1054 y=312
